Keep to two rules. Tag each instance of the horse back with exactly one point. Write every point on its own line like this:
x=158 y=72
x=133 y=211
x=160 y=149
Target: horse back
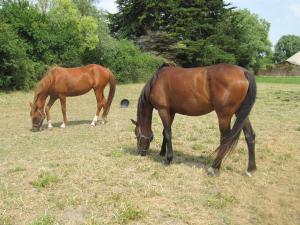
x=78 y=80
x=200 y=90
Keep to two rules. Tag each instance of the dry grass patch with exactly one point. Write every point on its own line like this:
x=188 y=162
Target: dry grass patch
x=94 y=175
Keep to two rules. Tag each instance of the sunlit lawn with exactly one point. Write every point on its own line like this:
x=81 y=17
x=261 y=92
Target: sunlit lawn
x=93 y=175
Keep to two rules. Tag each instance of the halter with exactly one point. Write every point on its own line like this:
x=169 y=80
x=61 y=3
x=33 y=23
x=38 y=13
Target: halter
x=140 y=136
x=41 y=121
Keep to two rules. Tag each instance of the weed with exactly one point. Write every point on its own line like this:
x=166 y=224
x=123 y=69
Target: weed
x=17 y=169
x=44 y=220
x=129 y=213
x=219 y=201
x=45 y=179
x=5 y=220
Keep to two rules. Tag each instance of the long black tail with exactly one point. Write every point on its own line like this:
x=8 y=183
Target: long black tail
x=229 y=142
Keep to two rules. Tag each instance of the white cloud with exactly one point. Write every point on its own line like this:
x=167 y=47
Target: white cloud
x=295 y=8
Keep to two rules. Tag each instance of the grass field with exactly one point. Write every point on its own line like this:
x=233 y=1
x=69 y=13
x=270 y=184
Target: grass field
x=93 y=175
x=278 y=79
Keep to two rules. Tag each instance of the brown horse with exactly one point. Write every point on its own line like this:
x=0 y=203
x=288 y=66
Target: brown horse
x=59 y=83
x=226 y=89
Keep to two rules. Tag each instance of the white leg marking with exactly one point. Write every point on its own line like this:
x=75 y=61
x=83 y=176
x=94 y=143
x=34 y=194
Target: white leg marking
x=94 y=121
x=63 y=125
x=211 y=171
x=50 y=124
x=248 y=174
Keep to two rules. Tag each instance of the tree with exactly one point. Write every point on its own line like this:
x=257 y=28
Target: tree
x=245 y=36
x=287 y=46
x=194 y=32
x=69 y=33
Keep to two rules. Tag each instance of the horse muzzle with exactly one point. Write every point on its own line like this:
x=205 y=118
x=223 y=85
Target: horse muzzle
x=142 y=152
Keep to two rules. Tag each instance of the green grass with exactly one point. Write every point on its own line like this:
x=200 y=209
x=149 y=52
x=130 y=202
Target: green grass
x=278 y=79
x=17 y=169
x=45 y=179
x=5 y=220
x=129 y=213
x=219 y=201
x=44 y=220
x=93 y=175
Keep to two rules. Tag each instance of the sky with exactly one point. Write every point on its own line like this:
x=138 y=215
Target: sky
x=284 y=15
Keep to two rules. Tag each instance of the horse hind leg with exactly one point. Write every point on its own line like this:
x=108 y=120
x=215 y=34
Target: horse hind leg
x=105 y=111
x=250 y=139
x=224 y=127
x=99 y=98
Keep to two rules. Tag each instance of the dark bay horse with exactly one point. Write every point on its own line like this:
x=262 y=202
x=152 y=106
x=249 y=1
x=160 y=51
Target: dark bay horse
x=59 y=83
x=227 y=89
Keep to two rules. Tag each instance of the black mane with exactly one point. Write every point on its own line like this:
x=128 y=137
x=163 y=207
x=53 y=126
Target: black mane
x=144 y=96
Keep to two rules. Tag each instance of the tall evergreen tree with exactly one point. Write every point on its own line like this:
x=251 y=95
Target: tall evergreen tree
x=193 y=32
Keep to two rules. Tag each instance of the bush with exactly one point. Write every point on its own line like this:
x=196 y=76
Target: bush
x=17 y=71
x=31 y=40
x=125 y=59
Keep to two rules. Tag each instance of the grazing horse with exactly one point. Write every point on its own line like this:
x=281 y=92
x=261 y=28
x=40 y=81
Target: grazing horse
x=59 y=83
x=226 y=89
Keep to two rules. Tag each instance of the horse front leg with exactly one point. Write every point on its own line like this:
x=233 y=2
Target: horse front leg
x=163 y=145
x=47 y=110
x=64 y=110
x=166 y=119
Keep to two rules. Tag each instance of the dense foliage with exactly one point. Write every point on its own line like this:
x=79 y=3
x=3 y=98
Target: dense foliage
x=287 y=46
x=36 y=34
x=196 y=32
x=64 y=32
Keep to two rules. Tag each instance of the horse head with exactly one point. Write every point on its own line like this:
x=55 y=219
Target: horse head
x=37 y=117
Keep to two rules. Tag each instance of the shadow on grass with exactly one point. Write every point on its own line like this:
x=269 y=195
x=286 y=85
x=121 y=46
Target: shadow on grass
x=70 y=123
x=179 y=157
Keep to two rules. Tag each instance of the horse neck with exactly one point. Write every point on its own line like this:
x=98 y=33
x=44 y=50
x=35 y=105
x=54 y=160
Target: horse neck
x=40 y=100
x=42 y=92
x=145 y=118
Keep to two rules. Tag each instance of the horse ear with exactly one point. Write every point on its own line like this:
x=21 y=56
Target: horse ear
x=134 y=122
x=31 y=105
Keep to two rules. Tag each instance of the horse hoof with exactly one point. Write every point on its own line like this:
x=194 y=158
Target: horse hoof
x=143 y=153
x=93 y=124
x=211 y=171
x=169 y=161
x=63 y=126
x=50 y=126
x=248 y=174
x=162 y=154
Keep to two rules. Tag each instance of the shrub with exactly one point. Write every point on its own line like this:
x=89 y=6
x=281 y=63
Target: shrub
x=17 y=71
x=125 y=59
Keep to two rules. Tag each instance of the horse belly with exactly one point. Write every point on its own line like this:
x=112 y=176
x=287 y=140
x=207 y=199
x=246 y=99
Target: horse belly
x=74 y=87
x=192 y=108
